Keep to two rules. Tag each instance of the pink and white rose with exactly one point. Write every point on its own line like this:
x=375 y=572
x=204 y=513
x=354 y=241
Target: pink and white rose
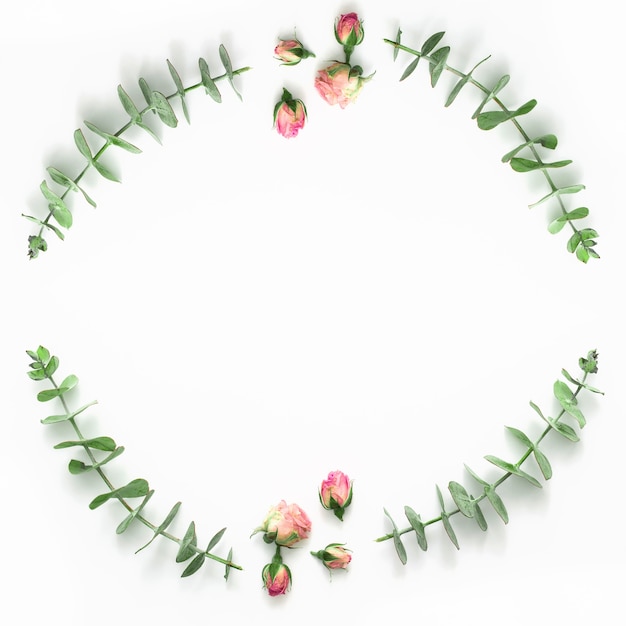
x=285 y=524
x=340 y=83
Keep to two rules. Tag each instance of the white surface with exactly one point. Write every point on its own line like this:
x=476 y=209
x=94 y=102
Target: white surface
x=251 y=313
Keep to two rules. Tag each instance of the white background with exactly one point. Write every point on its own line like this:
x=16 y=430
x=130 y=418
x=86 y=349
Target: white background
x=252 y=312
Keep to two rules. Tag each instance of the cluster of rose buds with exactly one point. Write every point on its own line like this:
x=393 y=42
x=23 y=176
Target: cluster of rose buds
x=339 y=83
x=285 y=525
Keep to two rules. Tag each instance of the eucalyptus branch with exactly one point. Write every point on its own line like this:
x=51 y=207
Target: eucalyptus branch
x=581 y=242
x=158 y=104
x=42 y=368
x=468 y=505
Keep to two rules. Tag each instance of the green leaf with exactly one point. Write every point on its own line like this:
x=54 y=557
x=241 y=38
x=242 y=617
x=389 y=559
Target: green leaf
x=417 y=526
x=397 y=542
x=43 y=354
x=61 y=179
x=588 y=233
x=440 y=498
x=180 y=89
x=150 y=132
x=106 y=444
x=215 y=539
x=491 y=119
x=51 y=366
x=563 y=429
x=164 y=109
x=125 y=523
x=82 y=145
x=496 y=503
x=163 y=526
x=499 y=86
x=558 y=192
x=69 y=382
x=53 y=419
x=580 y=383
x=577 y=214
x=398 y=40
x=543 y=463
x=449 y=530
x=547 y=141
x=146 y=92
x=229 y=68
x=461 y=83
x=461 y=498
x=37 y=374
x=475 y=476
x=194 y=566
x=104 y=171
x=187 y=545
x=431 y=42
x=134 y=489
x=438 y=64
x=512 y=469
x=479 y=517
x=49 y=394
x=129 y=105
x=573 y=241
x=208 y=82
x=410 y=68
x=527 y=165
x=110 y=457
x=228 y=567
x=568 y=402
x=62 y=215
x=113 y=139
x=518 y=434
x=78 y=467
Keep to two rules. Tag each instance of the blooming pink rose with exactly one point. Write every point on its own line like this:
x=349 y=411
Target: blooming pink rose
x=276 y=578
x=340 y=83
x=336 y=493
x=289 y=115
x=349 y=30
x=285 y=524
x=291 y=51
x=334 y=556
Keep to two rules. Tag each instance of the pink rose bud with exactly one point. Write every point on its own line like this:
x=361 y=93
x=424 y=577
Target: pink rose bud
x=336 y=493
x=285 y=525
x=276 y=577
x=291 y=52
x=349 y=30
x=289 y=115
x=340 y=83
x=334 y=556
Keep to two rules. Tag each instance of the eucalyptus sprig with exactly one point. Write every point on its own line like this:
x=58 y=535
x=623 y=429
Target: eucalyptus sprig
x=468 y=505
x=582 y=242
x=156 y=103
x=101 y=450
